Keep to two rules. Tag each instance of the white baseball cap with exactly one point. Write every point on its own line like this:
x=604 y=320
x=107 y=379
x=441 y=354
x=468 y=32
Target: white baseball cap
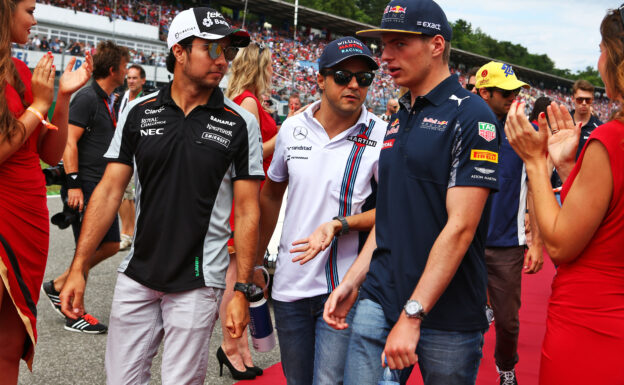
x=205 y=23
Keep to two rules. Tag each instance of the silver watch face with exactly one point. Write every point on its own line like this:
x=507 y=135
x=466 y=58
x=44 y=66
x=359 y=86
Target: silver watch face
x=413 y=308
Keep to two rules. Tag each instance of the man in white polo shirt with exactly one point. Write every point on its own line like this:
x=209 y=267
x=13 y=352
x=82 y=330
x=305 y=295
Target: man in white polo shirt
x=327 y=157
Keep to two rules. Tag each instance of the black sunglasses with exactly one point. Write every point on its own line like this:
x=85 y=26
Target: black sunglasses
x=469 y=86
x=343 y=77
x=507 y=93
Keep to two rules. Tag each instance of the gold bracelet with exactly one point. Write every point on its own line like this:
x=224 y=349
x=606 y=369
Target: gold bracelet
x=39 y=115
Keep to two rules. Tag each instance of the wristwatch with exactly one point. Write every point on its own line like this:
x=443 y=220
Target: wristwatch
x=413 y=309
x=252 y=292
x=344 y=223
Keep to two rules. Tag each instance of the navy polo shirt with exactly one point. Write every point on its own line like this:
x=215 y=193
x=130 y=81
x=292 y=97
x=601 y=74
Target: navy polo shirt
x=506 y=228
x=447 y=139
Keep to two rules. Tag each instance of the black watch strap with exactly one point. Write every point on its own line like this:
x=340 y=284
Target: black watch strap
x=249 y=290
x=345 y=225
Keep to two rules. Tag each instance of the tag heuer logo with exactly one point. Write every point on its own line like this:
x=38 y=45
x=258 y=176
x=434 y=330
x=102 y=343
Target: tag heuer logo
x=487 y=131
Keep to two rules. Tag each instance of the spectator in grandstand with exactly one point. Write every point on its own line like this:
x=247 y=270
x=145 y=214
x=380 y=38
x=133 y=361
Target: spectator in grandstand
x=45 y=45
x=505 y=256
x=472 y=80
x=194 y=147
x=26 y=137
x=75 y=48
x=584 y=236
x=250 y=77
x=92 y=122
x=55 y=46
x=338 y=141
x=136 y=81
x=392 y=107
x=294 y=104
x=424 y=295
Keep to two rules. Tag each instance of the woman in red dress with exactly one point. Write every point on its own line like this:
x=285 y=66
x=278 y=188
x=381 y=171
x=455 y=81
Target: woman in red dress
x=584 y=341
x=249 y=78
x=26 y=137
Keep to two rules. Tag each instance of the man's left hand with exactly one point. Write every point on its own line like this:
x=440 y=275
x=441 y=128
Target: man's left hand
x=237 y=315
x=400 y=349
x=534 y=259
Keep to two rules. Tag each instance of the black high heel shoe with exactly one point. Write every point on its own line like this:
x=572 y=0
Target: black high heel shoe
x=256 y=370
x=236 y=374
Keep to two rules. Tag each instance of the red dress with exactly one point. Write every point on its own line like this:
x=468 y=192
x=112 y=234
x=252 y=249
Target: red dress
x=584 y=342
x=24 y=227
x=268 y=129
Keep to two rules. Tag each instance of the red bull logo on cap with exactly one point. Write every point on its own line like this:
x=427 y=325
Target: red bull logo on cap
x=396 y=9
x=394 y=14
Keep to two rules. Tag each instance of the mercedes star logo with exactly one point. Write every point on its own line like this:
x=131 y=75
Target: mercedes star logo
x=300 y=133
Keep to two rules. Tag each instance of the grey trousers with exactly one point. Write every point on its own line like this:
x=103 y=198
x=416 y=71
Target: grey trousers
x=141 y=318
x=504 y=267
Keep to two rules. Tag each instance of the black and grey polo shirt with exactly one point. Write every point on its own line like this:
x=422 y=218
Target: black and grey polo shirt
x=185 y=169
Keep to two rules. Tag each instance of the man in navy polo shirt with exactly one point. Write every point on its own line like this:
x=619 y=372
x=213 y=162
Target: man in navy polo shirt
x=505 y=258
x=423 y=298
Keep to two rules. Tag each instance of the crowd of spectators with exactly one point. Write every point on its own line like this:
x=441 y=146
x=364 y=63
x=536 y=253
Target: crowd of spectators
x=294 y=61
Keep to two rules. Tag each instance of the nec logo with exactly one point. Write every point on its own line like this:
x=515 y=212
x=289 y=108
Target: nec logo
x=152 y=131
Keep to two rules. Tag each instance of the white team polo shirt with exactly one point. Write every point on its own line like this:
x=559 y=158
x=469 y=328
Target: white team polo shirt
x=326 y=178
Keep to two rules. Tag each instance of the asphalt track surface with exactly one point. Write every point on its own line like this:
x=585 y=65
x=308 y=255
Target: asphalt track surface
x=70 y=358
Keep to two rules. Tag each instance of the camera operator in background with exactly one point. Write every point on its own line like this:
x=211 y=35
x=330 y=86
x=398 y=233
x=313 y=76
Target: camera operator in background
x=136 y=82
x=92 y=122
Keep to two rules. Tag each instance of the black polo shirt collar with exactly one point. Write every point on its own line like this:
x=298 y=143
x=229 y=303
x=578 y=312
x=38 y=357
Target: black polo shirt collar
x=99 y=91
x=216 y=100
x=592 y=123
x=436 y=96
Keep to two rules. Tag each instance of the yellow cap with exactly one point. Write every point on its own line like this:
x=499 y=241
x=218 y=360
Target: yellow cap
x=499 y=75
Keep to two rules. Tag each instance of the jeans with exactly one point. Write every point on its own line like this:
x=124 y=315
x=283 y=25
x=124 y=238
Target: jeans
x=311 y=351
x=444 y=357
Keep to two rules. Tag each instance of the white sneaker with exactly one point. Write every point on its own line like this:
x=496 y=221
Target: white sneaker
x=126 y=242
x=507 y=377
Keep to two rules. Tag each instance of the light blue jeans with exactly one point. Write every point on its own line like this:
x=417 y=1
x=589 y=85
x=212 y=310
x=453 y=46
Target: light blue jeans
x=444 y=357
x=311 y=351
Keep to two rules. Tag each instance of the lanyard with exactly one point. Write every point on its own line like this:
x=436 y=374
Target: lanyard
x=110 y=113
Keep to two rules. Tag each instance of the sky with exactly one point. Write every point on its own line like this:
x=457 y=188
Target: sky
x=568 y=31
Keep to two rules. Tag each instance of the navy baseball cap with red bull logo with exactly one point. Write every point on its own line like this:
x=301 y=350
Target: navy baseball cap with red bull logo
x=421 y=17
x=205 y=23
x=343 y=49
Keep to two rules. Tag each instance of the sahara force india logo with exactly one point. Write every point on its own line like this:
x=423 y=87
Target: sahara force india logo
x=487 y=131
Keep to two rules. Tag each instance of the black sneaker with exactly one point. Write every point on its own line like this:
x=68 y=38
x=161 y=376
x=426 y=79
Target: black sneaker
x=53 y=297
x=85 y=324
x=507 y=377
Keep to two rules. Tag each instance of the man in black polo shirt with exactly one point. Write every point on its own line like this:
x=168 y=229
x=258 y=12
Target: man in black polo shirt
x=583 y=98
x=195 y=151
x=92 y=122
x=423 y=298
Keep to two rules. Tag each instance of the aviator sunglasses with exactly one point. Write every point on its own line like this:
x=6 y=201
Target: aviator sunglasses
x=343 y=77
x=580 y=100
x=215 y=50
